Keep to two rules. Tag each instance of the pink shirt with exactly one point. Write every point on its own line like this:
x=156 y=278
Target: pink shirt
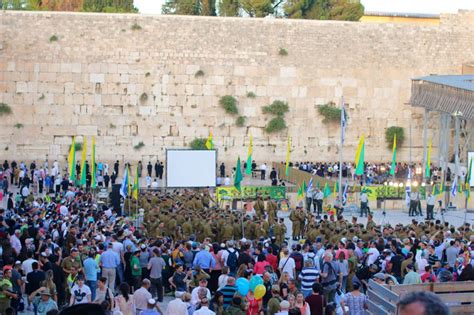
x=259 y=268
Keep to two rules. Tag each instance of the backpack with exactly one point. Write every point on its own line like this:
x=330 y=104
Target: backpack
x=232 y=260
x=298 y=258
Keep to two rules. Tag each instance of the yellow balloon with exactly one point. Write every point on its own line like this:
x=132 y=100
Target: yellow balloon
x=259 y=291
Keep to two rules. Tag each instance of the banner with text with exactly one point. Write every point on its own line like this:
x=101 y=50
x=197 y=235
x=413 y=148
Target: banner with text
x=251 y=192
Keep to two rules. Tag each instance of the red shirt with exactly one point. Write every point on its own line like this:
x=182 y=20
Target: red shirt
x=273 y=260
x=259 y=268
x=316 y=303
x=425 y=277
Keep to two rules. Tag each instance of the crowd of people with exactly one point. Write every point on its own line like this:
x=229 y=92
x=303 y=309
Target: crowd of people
x=374 y=173
x=63 y=248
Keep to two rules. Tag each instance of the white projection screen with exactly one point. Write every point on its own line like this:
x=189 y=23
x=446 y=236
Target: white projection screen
x=191 y=168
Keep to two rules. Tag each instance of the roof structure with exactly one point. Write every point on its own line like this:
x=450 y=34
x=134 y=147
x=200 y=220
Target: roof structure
x=445 y=93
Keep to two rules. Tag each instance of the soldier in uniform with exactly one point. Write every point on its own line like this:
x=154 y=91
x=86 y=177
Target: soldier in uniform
x=259 y=208
x=271 y=211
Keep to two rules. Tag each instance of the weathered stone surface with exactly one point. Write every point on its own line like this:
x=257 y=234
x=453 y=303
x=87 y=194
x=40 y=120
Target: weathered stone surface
x=84 y=87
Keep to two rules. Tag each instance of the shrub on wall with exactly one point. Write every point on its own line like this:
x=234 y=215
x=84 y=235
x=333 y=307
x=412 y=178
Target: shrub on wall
x=139 y=145
x=275 y=125
x=198 y=144
x=390 y=134
x=278 y=109
x=229 y=103
x=240 y=122
x=330 y=112
x=5 y=109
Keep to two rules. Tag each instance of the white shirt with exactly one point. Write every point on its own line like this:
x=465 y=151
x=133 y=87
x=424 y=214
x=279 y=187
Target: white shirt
x=141 y=297
x=204 y=310
x=431 y=200
x=288 y=266
x=372 y=258
x=364 y=198
x=16 y=243
x=263 y=167
x=81 y=295
x=195 y=296
x=117 y=247
x=25 y=192
x=27 y=265
x=154 y=184
x=64 y=211
x=227 y=181
x=177 y=307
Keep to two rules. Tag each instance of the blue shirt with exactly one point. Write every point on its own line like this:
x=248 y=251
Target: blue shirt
x=204 y=260
x=150 y=312
x=109 y=259
x=90 y=269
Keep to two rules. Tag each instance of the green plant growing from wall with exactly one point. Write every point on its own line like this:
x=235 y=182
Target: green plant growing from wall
x=240 y=121
x=330 y=112
x=229 y=103
x=147 y=74
x=199 y=73
x=138 y=146
x=390 y=133
x=251 y=95
x=53 y=38
x=198 y=144
x=283 y=52
x=278 y=109
x=41 y=97
x=143 y=97
x=5 y=109
x=276 y=124
x=18 y=126
x=136 y=27
x=112 y=126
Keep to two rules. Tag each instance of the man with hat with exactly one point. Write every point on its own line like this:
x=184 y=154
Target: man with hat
x=152 y=308
x=42 y=301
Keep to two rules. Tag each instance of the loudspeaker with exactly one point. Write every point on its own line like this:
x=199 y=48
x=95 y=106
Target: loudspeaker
x=115 y=198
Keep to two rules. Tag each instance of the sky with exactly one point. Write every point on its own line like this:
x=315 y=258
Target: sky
x=392 y=6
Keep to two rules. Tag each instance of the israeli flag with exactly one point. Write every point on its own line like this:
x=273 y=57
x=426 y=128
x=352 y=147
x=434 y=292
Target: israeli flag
x=343 y=121
x=124 y=187
x=344 y=194
x=310 y=185
x=454 y=187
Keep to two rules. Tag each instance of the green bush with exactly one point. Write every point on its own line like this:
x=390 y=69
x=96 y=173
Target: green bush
x=390 y=134
x=147 y=74
x=198 y=144
x=275 y=125
x=229 y=103
x=139 y=145
x=251 y=95
x=53 y=38
x=199 y=73
x=143 y=97
x=18 y=126
x=283 y=52
x=240 y=121
x=277 y=108
x=330 y=112
x=136 y=27
x=5 y=109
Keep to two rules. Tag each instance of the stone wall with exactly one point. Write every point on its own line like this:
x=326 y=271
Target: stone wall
x=94 y=78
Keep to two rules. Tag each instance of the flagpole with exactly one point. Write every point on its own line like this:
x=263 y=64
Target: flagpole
x=340 y=151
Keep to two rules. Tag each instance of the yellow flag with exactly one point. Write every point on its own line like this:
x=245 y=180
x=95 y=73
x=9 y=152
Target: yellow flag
x=359 y=149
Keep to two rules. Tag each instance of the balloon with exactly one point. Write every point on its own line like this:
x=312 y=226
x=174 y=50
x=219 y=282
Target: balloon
x=242 y=286
x=259 y=291
x=254 y=281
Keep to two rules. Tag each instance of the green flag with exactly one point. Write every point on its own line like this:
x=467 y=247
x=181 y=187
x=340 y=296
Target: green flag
x=300 y=193
x=327 y=190
x=305 y=188
x=238 y=176
x=336 y=188
x=360 y=161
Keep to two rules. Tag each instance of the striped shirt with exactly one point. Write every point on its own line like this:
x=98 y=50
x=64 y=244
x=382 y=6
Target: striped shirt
x=228 y=291
x=308 y=276
x=433 y=259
